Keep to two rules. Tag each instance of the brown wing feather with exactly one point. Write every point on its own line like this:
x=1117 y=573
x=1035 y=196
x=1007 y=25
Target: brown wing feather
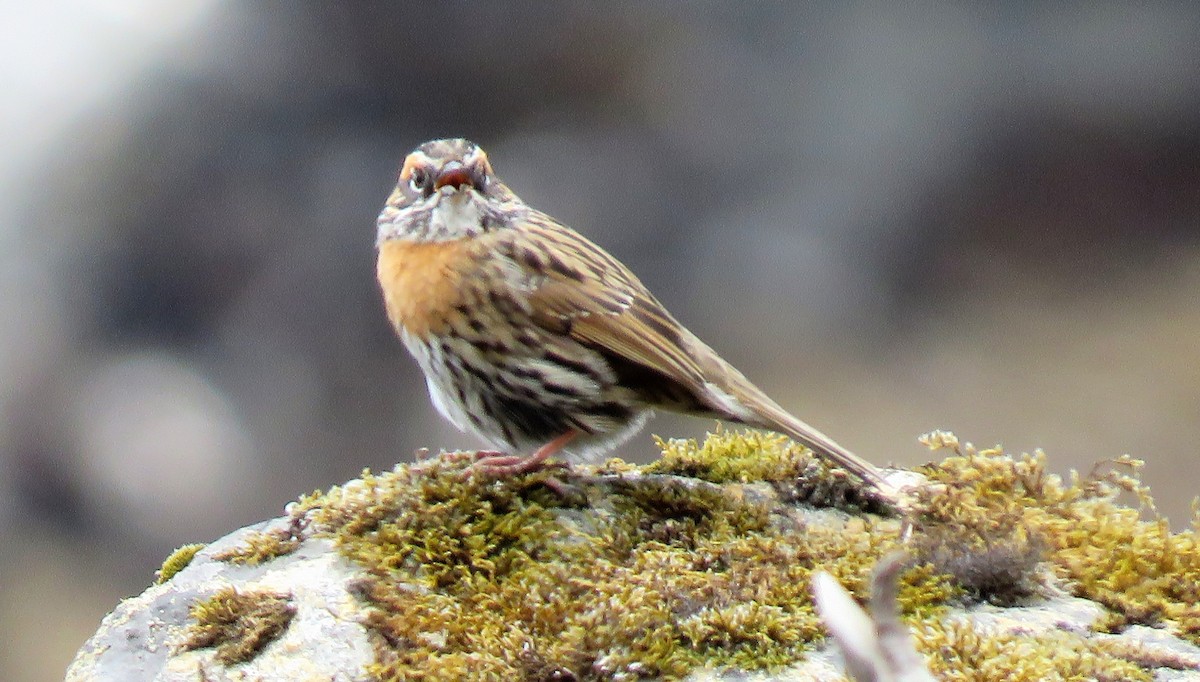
x=600 y=302
x=595 y=298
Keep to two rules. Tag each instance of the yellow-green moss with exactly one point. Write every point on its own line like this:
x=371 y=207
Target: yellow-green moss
x=656 y=576
x=733 y=457
x=238 y=624
x=1105 y=551
x=260 y=546
x=961 y=653
x=767 y=457
x=176 y=562
x=704 y=564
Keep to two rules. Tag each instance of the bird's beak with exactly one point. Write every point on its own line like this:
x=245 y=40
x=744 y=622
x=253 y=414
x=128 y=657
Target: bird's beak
x=455 y=175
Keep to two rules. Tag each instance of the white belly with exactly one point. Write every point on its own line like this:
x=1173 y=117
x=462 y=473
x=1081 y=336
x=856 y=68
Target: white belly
x=439 y=379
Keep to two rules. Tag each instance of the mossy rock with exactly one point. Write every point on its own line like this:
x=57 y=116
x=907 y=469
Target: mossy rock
x=696 y=566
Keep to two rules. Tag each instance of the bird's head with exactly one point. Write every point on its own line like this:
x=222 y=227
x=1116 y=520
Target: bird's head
x=446 y=190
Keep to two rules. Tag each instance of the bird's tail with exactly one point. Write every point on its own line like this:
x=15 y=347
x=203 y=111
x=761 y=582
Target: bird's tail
x=772 y=416
x=728 y=394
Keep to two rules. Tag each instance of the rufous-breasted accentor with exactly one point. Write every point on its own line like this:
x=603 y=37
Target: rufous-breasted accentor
x=534 y=338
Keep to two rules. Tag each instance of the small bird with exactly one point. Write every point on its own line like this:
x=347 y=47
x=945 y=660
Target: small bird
x=534 y=338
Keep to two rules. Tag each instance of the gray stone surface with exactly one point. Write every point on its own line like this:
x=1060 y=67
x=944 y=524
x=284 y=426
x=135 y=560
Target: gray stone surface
x=141 y=639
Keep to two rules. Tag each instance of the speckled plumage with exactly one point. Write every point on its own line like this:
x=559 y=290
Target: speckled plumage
x=529 y=334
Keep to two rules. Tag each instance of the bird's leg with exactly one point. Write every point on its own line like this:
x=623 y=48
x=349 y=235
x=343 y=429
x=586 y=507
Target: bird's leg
x=496 y=465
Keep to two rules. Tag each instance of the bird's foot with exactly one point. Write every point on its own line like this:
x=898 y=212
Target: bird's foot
x=496 y=465
x=500 y=466
x=490 y=464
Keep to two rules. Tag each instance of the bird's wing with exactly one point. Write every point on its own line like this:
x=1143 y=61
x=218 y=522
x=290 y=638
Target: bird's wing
x=583 y=291
x=580 y=290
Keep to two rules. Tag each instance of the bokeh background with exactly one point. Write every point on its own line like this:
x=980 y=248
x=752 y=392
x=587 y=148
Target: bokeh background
x=977 y=217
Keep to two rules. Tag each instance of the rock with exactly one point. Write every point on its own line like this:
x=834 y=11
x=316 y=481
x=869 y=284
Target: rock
x=695 y=567
x=145 y=637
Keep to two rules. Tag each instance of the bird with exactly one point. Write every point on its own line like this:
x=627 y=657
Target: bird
x=535 y=339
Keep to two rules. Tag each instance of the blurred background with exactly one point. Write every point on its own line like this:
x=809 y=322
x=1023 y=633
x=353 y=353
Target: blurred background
x=896 y=219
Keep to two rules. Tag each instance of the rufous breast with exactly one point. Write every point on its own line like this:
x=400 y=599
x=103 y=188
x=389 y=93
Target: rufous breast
x=422 y=283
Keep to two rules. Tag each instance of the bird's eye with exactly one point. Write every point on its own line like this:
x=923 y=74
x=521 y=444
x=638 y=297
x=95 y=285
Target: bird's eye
x=418 y=179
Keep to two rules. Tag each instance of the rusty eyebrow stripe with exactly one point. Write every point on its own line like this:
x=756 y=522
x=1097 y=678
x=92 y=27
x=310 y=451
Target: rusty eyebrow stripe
x=413 y=160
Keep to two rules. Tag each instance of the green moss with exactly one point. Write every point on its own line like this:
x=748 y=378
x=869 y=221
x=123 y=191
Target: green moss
x=176 y=562
x=763 y=456
x=1105 y=551
x=990 y=519
x=733 y=457
x=655 y=576
x=260 y=546
x=238 y=624
x=700 y=559
x=681 y=512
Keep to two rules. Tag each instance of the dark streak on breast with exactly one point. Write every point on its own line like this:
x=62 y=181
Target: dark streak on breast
x=524 y=373
x=576 y=366
x=487 y=345
x=479 y=375
x=564 y=391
